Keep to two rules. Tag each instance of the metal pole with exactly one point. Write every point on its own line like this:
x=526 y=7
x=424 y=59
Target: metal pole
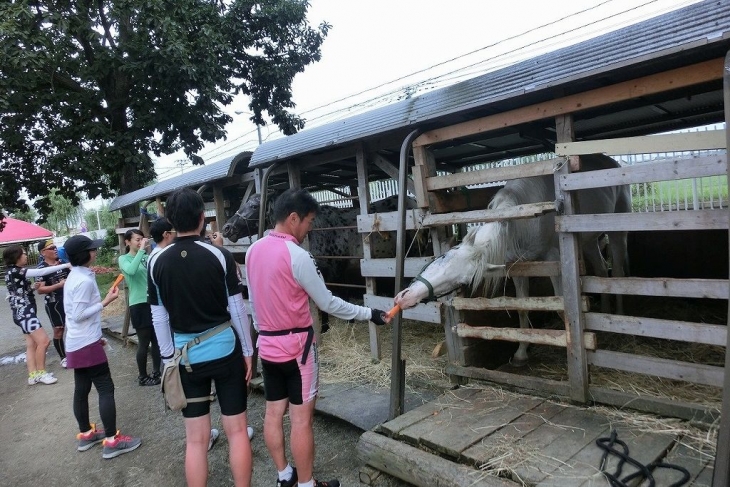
x=258 y=131
x=398 y=365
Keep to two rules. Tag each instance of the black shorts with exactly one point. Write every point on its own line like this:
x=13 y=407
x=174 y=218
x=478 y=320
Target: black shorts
x=56 y=314
x=141 y=316
x=299 y=383
x=229 y=375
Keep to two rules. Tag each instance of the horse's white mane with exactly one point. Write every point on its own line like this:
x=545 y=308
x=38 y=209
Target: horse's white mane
x=492 y=242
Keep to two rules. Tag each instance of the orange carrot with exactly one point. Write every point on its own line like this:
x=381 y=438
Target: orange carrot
x=117 y=281
x=393 y=311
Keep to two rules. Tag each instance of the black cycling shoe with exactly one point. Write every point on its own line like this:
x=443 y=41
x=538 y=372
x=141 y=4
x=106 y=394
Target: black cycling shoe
x=292 y=482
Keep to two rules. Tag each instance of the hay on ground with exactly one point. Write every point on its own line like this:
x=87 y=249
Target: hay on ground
x=345 y=354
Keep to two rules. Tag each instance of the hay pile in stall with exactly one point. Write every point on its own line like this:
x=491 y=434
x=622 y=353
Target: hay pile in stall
x=550 y=362
x=345 y=355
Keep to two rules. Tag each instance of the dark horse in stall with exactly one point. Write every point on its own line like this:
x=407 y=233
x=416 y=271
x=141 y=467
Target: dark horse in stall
x=480 y=260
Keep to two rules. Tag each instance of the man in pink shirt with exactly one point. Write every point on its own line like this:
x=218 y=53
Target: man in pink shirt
x=282 y=277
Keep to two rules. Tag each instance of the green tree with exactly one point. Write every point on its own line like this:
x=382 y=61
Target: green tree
x=90 y=90
x=64 y=214
x=27 y=215
x=103 y=216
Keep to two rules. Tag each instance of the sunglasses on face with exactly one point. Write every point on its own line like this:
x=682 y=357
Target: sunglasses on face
x=50 y=248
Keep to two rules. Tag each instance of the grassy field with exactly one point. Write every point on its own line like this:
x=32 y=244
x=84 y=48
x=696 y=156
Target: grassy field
x=710 y=192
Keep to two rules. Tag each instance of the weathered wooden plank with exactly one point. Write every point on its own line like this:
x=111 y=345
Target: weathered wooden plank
x=657 y=286
x=644 y=222
x=545 y=386
x=489 y=452
x=647 y=144
x=684 y=456
x=627 y=90
x=412 y=266
x=551 y=445
x=644 y=447
x=670 y=369
x=428 y=312
x=451 y=431
x=556 y=338
x=704 y=479
x=654 y=405
x=528 y=210
x=541 y=168
x=680 y=168
x=532 y=269
x=388 y=222
x=541 y=303
x=418 y=467
x=651 y=327
x=452 y=399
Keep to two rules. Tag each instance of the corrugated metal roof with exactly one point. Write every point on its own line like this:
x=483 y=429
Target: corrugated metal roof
x=204 y=174
x=632 y=47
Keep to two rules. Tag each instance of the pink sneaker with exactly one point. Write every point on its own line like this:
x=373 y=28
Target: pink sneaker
x=89 y=439
x=119 y=445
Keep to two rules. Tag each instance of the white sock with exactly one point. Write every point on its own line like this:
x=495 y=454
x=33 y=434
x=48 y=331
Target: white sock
x=307 y=484
x=286 y=473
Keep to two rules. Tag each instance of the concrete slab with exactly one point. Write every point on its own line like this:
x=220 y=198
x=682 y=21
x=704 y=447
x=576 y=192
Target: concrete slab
x=363 y=406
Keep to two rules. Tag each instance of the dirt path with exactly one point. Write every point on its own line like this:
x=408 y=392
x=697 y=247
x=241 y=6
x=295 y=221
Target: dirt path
x=37 y=429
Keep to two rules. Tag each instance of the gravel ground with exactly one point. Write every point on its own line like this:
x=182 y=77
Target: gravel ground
x=37 y=429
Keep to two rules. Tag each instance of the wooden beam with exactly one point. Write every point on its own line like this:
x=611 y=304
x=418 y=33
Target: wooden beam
x=570 y=261
x=388 y=222
x=418 y=467
x=657 y=83
x=664 y=407
x=427 y=312
x=541 y=168
x=711 y=139
x=556 y=338
x=386 y=267
x=669 y=369
x=390 y=169
x=549 y=387
x=638 y=222
x=657 y=286
x=543 y=303
x=656 y=328
x=528 y=210
x=679 y=168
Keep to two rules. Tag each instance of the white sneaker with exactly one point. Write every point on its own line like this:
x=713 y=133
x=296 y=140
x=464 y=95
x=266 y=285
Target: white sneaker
x=46 y=378
x=63 y=362
x=250 y=432
x=214 y=434
x=32 y=380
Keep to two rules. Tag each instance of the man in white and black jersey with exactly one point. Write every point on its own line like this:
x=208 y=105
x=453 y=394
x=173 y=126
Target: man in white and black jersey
x=192 y=286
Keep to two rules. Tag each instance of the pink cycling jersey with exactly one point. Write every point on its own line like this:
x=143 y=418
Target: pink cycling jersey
x=282 y=277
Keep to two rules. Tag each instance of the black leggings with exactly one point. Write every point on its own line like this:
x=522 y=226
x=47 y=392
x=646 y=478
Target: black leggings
x=145 y=337
x=101 y=377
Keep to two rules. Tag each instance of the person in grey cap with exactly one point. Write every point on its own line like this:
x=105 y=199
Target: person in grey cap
x=85 y=351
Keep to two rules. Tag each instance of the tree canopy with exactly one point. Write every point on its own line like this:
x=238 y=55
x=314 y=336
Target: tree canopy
x=90 y=90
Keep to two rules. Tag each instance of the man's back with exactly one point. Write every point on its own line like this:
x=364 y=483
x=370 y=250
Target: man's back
x=193 y=280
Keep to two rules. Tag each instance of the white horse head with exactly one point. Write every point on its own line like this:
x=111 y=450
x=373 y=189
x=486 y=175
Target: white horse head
x=479 y=260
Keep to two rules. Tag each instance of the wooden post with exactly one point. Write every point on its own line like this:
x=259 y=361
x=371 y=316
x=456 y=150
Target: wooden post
x=721 y=474
x=426 y=167
x=570 y=268
x=363 y=193
x=220 y=207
